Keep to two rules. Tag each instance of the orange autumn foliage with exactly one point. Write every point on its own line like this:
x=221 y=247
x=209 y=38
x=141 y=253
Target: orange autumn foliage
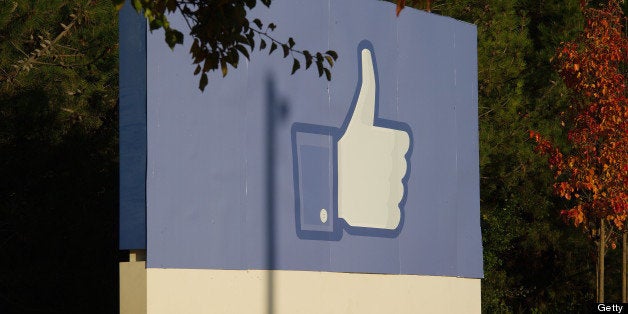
x=401 y=4
x=594 y=174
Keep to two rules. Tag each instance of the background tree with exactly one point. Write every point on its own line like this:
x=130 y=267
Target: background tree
x=58 y=157
x=593 y=173
x=531 y=261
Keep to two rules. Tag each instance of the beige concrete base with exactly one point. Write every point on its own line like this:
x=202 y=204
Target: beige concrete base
x=133 y=287
x=246 y=291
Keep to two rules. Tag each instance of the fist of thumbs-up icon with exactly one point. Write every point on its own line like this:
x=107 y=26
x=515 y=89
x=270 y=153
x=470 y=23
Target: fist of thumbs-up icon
x=355 y=174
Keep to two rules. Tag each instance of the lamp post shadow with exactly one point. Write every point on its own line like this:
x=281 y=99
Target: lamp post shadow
x=276 y=113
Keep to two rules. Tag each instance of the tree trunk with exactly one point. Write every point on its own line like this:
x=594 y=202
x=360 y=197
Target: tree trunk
x=600 y=262
x=596 y=232
x=624 y=264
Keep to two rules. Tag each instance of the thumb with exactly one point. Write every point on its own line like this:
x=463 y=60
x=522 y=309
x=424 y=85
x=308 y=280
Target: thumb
x=364 y=111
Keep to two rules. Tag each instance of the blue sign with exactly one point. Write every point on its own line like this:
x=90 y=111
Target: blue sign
x=132 y=135
x=376 y=171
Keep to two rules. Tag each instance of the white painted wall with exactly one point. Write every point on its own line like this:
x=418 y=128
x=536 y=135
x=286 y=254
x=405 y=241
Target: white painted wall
x=245 y=291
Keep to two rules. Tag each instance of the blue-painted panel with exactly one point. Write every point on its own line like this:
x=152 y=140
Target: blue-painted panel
x=132 y=30
x=316 y=189
x=207 y=189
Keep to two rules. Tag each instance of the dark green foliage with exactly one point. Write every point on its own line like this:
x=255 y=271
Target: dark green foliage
x=58 y=157
x=533 y=262
x=221 y=32
x=58 y=146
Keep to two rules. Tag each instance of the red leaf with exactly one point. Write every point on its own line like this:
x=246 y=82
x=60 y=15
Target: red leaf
x=596 y=164
x=400 y=5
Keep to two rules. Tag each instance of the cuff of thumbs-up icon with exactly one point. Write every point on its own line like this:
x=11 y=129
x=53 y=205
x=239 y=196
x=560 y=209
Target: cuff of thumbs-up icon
x=353 y=177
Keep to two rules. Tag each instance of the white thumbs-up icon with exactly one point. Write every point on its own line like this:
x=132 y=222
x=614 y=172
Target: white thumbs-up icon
x=371 y=162
x=369 y=157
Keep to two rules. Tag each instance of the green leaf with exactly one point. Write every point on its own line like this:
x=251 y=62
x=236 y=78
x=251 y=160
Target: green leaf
x=195 y=47
x=329 y=60
x=290 y=42
x=272 y=26
x=137 y=5
x=173 y=37
x=333 y=54
x=286 y=50
x=295 y=66
x=118 y=4
x=262 y=44
x=203 y=82
x=160 y=7
x=319 y=66
x=148 y=13
x=243 y=51
x=198 y=56
x=171 y=5
x=319 y=57
x=223 y=66
x=233 y=57
x=327 y=74
x=258 y=23
x=197 y=70
x=308 y=59
x=251 y=38
x=155 y=24
x=211 y=63
x=273 y=46
x=250 y=3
